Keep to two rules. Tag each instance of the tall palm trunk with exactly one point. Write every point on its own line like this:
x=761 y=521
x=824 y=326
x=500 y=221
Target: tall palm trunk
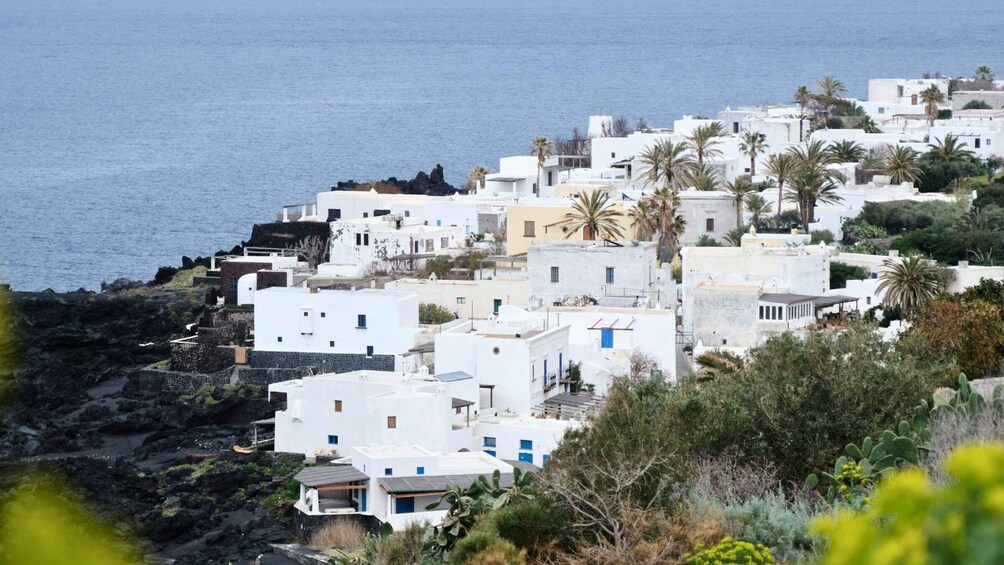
x=536 y=188
x=780 y=194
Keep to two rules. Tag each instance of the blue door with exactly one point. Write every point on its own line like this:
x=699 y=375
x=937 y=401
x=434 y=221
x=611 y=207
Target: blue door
x=528 y=457
x=496 y=304
x=607 y=338
x=362 y=501
x=545 y=372
x=404 y=505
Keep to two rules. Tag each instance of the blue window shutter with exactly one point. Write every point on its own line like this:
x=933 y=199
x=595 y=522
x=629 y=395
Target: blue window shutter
x=490 y=452
x=607 y=338
x=526 y=457
x=525 y=444
x=420 y=471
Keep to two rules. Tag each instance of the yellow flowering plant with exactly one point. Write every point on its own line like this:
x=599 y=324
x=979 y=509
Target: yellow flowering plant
x=912 y=521
x=729 y=552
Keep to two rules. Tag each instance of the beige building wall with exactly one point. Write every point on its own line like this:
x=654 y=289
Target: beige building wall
x=529 y=224
x=469 y=299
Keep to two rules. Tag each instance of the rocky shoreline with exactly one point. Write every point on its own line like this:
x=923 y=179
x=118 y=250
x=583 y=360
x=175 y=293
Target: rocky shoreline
x=156 y=466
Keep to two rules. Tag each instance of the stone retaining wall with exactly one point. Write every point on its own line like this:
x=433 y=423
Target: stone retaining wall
x=321 y=362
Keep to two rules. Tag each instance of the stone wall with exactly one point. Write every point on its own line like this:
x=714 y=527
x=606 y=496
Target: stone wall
x=321 y=362
x=184 y=382
x=304 y=524
x=230 y=271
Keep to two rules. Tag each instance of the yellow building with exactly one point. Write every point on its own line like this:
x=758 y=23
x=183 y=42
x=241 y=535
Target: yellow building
x=544 y=219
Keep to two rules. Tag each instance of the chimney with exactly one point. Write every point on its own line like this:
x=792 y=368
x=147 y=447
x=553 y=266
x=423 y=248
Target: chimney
x=894 y=252
x=963 y=264
x=313 y=290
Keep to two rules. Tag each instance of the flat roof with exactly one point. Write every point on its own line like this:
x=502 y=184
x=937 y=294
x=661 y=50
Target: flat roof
x=573 y=400
x=786 y=297
x=329 y=475
x=436 y=483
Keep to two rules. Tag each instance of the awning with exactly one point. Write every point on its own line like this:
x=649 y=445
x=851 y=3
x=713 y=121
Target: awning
x=827 y=301
x=329 y=475
x=460 y=402
x=436 y=483
x=786 y=298
x=453 y=376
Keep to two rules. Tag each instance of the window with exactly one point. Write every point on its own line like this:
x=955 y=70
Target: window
x=526 y=457
x=366 y=239
x=420 y=471
x=416 y=246
x=359 y=239
x=369 y=351
x=388 y=472
x=430 y=245
x=407 y=213
x=338 y=406
x=554 y=274
x=868 y=300
x=444 y=242
x=526 y=444
x=391 y=422
x=233 y=284
x=529 y=229
x=334 y=214
x=550 y=179
x=489 y=441
x=613 y=155
x=461 y=300
x=881 y=110
x=361 y=321
x=366 y=214
x=490 y=452
x=546 y=458
x=305 y=314
x=760 y=317
x=607 y=338
x=610 y=275
x=976 y=143
x=735 y=127
x=322 y=314
x=331 y=343
x=332 y=440
x=280 y=339
x=709 y=225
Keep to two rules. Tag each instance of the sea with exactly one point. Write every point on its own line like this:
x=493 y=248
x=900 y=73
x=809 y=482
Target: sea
x=133 y=132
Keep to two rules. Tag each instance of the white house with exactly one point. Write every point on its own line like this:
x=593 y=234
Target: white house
x=468 y=299
x=394 y=484
x=335 y=330
x=603 y=339
x=562 y=271
x=738 y=316
x=735 y=277
x=515 y=358
x=388 y=243
x=332 y=413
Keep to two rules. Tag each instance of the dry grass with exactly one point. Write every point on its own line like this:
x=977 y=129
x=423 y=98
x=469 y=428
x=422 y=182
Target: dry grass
x=340 y=534
x=951 y=429
x=725 y=481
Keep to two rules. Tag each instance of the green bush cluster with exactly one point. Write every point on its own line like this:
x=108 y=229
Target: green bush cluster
x=730 y=551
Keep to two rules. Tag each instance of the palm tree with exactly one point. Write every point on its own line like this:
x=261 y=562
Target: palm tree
x=758 y=207
x=666 y=204
x=831 y=87
x=644 y=219
x=847 y=151
x=753 y=144
x=909 y=283
x=652 y=156
x=949 y=150
x=868 y=125
x=541 y=148
x=477 y=176
x=595 y=216
x=984 y=72
x=931 y=97
x=802 y=98
x=676 y=162
x=901 y=164
x=703 y=143
x=739 y=189
x=702 y=178
x=782 y=168
x=813 y=180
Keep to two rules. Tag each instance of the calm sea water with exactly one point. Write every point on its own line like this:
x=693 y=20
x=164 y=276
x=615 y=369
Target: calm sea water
x=133 y=132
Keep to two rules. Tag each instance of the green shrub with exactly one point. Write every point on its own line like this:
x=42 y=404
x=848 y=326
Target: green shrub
x=429 y=313
x=840 y=273
x=707 y=241
x=730 y=551
x=484 y=545
x=776 y=522
x=537 y=526
x=824 y=236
